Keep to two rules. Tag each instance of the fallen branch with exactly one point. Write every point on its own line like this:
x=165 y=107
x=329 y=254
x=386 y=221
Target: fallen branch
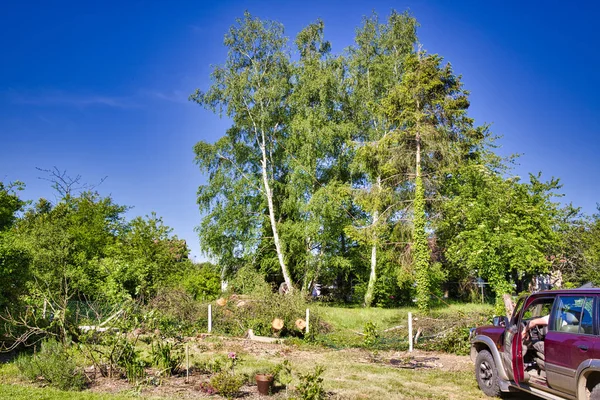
x=419 y=331
x=115 y=315
x=251 y=336
x=393 y=328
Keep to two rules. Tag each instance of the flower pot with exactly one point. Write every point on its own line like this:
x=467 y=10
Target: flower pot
x=264 y=383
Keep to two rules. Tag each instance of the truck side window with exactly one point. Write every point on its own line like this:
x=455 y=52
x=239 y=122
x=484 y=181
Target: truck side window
x=572 y=315
x=587 y=323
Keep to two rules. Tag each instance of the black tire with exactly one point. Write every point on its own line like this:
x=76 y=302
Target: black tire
x=595 y=393
x=486 y=373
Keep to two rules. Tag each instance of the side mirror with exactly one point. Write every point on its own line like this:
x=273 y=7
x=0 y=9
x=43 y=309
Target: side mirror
x=500 y=321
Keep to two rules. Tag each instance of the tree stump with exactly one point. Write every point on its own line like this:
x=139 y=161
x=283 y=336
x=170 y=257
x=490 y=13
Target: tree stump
x=277 y=324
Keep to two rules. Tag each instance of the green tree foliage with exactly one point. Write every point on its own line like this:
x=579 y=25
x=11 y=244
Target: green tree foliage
x=376 y=63
x=578 y=255
x=201 y=281
x=252 y=87
x=10 y=204
x=434 y=134
x=315 y=199
x=14 y=259
x=365 y=167
x=83 y=248
x=66 y=239
x=145 y=257
x=498 y=228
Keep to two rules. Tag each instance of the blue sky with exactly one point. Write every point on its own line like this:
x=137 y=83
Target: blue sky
x=100 y=88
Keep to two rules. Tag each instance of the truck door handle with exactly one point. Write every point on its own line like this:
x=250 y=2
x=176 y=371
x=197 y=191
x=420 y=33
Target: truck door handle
x=583 y=347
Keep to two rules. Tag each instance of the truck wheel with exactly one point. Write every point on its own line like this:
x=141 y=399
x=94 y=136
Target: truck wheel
x=486 y=373
x=595 y=394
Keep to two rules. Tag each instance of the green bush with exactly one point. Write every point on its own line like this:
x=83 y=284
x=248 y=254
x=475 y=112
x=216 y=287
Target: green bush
x=174 y=313
x=201 y=281
x=227 y=384
x=167 y=356
x=455 y=341
x=54 y=365
x=212 y=365
x=371 y=334
x=311 y=385
x=127 y=357
x=248 y=281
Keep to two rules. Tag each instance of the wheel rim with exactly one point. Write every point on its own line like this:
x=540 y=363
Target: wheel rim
x=486 y=373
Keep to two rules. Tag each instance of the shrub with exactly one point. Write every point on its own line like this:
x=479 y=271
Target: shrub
x=54 y=365
x=248 y=281
x=125 y=356
x=212 y=365
x=311 y=385
x=371 y=334
x=173 y=312
x=167 y=356
x=455 y=341
x=201 y=281
x=227 y=384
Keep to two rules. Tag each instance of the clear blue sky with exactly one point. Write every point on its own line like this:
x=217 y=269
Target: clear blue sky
x=100 y=88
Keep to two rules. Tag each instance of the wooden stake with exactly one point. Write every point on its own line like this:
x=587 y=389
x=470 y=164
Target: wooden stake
x=209 y=318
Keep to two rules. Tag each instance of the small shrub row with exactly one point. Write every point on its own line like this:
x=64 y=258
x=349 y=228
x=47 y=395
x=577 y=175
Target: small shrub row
x=53 y=365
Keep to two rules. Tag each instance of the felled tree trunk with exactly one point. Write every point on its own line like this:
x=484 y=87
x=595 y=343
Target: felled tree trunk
x=509 y=305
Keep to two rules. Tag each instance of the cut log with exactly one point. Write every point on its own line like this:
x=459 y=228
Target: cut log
x=300 y=324
x=509 y=305
x=419 y=331
x=222 y=301
x=251 y=336
x=277 y=324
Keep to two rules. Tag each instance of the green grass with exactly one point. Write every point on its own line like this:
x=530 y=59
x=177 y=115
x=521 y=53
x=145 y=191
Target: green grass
x=348 y=323
x=20 y=392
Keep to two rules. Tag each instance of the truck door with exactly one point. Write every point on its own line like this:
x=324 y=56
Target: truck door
x=570 y=340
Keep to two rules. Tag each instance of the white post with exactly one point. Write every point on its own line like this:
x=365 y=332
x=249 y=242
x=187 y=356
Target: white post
x=209 y=318
x=410 y=335
x=307 y=318
x=187 y=363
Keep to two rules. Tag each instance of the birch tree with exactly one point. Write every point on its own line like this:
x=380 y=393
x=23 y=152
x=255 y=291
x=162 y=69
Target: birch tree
x=376 y=65
x=252 y=88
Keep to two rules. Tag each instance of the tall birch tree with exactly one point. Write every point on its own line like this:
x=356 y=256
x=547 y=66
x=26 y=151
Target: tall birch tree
x=376 y=65
x=252 y=87
x=318 y=160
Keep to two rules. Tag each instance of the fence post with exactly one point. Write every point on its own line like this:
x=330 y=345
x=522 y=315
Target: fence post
x=187 y=363
x=209 y=318
x=307 y=318
x=410 y=333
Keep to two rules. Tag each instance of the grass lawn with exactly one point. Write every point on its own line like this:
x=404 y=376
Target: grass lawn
x=346 y=322
x=21 y=392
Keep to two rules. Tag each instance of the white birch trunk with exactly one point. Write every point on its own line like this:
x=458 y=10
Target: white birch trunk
x=269 y=194
x=373 y=275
